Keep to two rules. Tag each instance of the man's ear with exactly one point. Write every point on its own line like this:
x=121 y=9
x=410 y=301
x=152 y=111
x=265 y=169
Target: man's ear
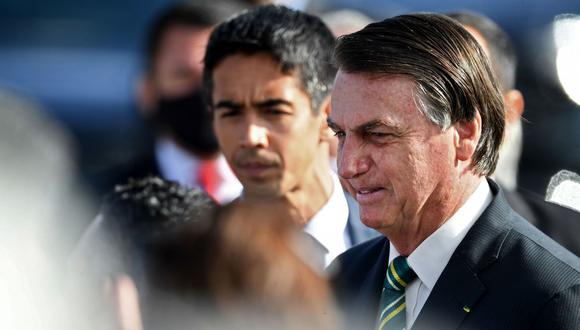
x=514 y=105
x=466 y=137
x=325 y=108
x=146 y=95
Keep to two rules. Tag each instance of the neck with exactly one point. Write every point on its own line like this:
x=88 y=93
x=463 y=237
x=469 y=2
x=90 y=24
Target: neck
x=441 y=205
x=315 y=189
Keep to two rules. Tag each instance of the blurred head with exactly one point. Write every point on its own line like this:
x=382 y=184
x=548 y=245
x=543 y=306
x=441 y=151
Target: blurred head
x=113 y=255
x=170 y=93
x=141 y=210
x=419 y=119
x=345 y=21
x=268 y=75
x=259 y=266
x=40 y=214
x=244 y=268
x=498 y=46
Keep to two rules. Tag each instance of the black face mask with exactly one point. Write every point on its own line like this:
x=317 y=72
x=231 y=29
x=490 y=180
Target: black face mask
x=190 y=122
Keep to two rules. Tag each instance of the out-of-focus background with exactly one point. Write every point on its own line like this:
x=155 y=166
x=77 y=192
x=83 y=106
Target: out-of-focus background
x=80 y=60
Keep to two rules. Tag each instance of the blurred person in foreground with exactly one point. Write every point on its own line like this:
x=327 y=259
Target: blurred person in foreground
x=268 y=76
x=114 y=248
x=40 y=205
x=253 y=273
x=420 y=120
x=169 y=94
x=560 y=223
x=244 y=266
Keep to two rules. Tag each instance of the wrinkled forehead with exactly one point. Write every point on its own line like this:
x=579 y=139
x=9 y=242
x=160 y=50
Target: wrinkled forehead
x=362 y=92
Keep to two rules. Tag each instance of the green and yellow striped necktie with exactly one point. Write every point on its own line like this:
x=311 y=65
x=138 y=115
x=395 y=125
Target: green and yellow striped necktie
x=392 y=307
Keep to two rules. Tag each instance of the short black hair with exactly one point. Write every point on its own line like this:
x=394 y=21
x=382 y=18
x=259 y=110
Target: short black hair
x=195 y=14
x=452 y=74
x=301 y=43
x=142 y=209
x=502 y=51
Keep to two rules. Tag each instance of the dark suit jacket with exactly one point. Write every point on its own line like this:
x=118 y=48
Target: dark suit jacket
x=506 y=272
x=560 y=223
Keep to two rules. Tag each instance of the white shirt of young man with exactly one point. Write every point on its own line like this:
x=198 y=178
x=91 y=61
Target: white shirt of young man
x=179 y=165
x=329 y=224
x=432 y=255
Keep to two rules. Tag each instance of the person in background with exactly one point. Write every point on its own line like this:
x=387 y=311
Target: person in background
x=420 y=119
x=560 y=223
x=169 y=96
x=268 y=75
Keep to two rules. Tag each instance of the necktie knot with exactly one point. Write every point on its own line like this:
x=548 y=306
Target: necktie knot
x=399 y=274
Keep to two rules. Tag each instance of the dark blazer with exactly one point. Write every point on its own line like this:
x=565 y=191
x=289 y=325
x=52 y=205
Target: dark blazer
x=505 y=272
x=560 y=223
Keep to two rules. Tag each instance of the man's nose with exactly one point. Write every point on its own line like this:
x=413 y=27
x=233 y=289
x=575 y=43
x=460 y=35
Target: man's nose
x=352 y=160
x=256 y=136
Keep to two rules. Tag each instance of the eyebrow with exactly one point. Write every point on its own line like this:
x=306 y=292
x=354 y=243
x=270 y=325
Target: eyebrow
x=228 y=104
x=272 y=102
x=365 y=127
x=334 y=126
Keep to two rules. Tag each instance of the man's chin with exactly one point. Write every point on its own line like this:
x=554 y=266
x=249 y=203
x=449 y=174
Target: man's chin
x=262 y=191
x=372 y=220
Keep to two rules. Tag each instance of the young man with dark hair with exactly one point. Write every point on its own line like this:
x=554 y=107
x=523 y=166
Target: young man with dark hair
x=420 y=120
x=268 y=75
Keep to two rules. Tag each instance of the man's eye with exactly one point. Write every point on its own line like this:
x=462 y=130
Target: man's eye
x=378 y=136
x=275 y=112
x=230 y=113
x=339 y=134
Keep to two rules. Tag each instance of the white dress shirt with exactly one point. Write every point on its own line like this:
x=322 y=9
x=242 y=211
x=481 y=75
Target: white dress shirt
x=432 y=255
x=179 y=165
x=328 y=226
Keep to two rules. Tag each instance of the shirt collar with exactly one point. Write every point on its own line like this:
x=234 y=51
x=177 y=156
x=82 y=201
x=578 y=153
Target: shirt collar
x=432 y=255
x=174 y=163
x=329 y=223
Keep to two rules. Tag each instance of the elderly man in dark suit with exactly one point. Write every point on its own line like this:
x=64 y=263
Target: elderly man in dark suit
x=419 y=117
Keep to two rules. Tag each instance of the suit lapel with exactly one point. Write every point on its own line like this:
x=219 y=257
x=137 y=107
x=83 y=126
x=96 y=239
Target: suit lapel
x=455 y=294
x=459 y=287
x=364 y=306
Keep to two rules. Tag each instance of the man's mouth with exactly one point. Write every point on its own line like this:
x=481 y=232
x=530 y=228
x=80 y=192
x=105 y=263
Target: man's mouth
x=256 y=168
x=368 y=195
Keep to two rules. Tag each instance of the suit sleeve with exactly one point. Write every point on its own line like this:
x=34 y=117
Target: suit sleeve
x=562 y=311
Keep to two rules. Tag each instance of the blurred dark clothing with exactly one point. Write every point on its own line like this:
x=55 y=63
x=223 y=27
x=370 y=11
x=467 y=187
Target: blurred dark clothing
x=141 y=166
x=560 y=223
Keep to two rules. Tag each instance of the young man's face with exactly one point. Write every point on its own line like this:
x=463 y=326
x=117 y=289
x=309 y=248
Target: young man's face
x=265 y=125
